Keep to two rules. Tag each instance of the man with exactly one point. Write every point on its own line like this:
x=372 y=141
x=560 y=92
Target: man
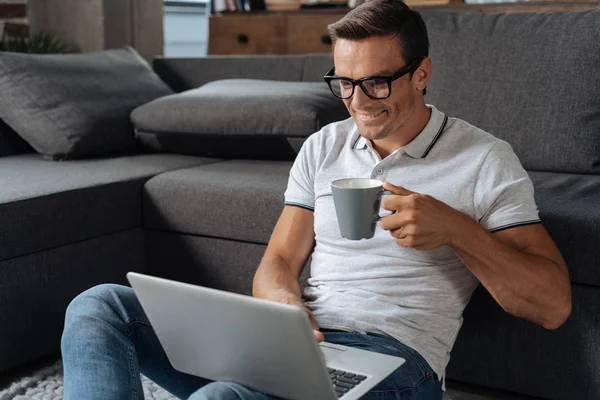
x=463 y=213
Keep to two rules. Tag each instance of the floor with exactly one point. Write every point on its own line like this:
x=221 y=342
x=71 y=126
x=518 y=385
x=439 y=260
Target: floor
x=456 y=390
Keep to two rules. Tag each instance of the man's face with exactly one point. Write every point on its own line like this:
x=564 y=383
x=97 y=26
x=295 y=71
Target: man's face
x=376 y=119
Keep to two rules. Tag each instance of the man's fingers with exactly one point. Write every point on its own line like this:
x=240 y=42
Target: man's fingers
x=315 y=326
x=318 y=335
x=398 y=233
x=398 y=220
x=397 y=189
x=398 y=202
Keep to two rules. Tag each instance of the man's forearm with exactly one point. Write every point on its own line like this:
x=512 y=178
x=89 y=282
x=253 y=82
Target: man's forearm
x=526 y=285
x=275 y=281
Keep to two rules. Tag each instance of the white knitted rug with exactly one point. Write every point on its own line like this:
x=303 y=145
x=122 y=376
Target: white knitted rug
x=47 y=384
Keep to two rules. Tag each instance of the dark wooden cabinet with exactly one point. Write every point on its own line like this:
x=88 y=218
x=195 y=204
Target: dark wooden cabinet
x=270 y=33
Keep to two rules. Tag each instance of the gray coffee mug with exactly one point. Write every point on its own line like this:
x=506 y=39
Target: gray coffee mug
x=357 y=202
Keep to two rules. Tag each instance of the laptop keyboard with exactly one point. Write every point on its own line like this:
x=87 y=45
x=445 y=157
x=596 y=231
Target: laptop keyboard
x=343 y=381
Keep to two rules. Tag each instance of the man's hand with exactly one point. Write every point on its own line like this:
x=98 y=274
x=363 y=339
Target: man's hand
x=313 y=322
x=420 y=221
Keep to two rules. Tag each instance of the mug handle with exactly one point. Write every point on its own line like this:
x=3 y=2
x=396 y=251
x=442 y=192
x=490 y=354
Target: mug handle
x=383 y=193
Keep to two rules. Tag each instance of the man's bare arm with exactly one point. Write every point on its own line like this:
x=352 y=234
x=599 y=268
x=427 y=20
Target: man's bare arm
x=291 y=243
x=522 y=269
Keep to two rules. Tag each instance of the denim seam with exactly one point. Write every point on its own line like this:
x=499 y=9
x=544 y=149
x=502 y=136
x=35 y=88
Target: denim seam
x=134 y=376
x=236 y=392
x=129 y=332
x=132 y=321
x=129 y=321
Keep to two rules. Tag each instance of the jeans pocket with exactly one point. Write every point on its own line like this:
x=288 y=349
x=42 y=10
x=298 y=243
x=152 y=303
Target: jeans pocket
x=409 y=375
x=428 y=388
x=399 y=349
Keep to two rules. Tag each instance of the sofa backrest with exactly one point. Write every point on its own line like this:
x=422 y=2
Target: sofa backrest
x=531 y=79
x=528 y=78
x=315 y=66
x=188 y=73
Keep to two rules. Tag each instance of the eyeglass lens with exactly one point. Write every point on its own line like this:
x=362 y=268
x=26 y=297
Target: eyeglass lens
x=376 y=88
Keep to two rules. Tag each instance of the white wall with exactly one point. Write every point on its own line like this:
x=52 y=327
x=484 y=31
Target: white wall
x=186 y=28
x=95 y=25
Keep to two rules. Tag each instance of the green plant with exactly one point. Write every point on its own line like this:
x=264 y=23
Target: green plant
x=39 y=43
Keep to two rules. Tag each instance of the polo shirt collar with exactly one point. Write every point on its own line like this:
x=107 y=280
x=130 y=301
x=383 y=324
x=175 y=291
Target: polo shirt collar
x=360 y=143
x=420 y=146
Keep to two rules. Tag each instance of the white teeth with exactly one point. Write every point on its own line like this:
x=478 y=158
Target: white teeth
x=371 y=116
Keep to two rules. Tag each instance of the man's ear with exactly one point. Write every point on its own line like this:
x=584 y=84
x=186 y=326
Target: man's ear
x=422 y=74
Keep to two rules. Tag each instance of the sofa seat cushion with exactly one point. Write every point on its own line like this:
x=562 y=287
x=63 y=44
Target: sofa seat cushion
x=46 y=204
x=569 y=207
x=236 y=199
x=528 y=78
x=238 y=118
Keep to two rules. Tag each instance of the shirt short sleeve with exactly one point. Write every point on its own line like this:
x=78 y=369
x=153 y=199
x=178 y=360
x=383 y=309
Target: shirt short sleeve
x=504 y=195
x=301 y=184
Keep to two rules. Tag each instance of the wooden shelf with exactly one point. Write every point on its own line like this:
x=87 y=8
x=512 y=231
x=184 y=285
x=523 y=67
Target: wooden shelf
x=9 y=11
x=13 y=29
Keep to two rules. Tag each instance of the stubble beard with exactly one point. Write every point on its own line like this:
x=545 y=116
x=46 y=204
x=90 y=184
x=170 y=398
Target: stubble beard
x=385 y=131
x=375 y=134
x=381 y=134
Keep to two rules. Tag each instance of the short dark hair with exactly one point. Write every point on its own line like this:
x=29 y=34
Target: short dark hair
x=385 y=18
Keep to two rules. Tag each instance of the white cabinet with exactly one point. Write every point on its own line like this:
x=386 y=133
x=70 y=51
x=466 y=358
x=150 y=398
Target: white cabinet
x=186 y=28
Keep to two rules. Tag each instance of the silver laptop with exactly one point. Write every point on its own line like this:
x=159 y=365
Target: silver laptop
x=263 y=345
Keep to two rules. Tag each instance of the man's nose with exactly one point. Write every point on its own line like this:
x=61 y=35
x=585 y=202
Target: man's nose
x=359 y=98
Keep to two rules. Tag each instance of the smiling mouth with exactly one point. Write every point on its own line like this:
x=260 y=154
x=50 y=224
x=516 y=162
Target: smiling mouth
x=370 y=117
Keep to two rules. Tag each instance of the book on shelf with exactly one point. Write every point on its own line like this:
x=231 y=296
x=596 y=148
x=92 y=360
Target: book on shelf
x=418 y=3
x=283 y=5
x=410 y=3
x=294 y=5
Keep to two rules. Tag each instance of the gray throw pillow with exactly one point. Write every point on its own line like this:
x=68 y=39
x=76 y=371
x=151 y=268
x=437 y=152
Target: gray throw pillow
x=238 y=118
x=76 y=105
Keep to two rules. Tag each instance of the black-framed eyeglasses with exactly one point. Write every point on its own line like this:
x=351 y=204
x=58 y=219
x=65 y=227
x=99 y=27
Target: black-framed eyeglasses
x=375 y=87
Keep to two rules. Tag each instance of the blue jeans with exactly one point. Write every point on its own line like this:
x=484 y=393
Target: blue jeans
x=107 y=342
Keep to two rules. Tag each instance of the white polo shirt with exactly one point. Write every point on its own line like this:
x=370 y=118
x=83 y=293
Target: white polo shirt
x=374 y=285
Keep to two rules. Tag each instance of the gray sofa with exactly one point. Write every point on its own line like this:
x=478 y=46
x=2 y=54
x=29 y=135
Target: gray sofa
x=530 y=79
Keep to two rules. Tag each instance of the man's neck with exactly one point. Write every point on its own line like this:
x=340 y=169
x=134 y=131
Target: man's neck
x=408 y=132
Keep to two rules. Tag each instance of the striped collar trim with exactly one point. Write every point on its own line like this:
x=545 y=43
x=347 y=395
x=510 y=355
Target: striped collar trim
x=422 y=144
x=360 y=143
